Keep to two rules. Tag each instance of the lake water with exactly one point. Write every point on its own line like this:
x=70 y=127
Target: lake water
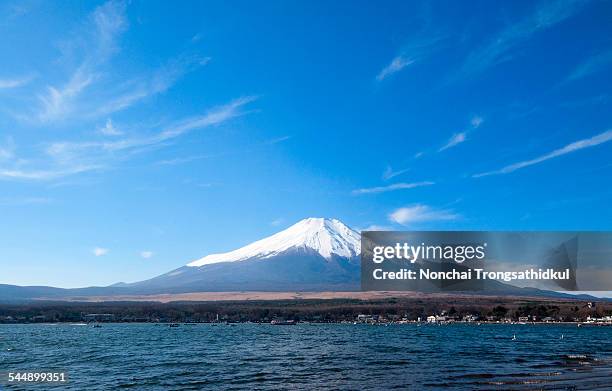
x=311 y=356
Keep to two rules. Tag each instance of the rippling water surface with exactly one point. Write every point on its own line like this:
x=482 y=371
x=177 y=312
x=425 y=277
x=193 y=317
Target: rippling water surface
x=310 y=356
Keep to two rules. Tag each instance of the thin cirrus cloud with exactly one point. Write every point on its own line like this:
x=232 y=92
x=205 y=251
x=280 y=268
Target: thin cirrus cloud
x=160 y=81
x=109 y=129
x=500 y=48
x=393 y=187
x=414 y=51
x=69 y=152
x=45 y=173
x=90 y=90
x=146 y=254
x=455 y=139
x=276 y=140
x=461 y=137
x=99 y=251
x=56 y=101
x=593 y=64
x=106 y=24
x=476 y=121
x=420 y=213
x=15 y=82
x=66 y=158
x=389 y=173
x=189 y=159
x=569 y=148
x=396 y=65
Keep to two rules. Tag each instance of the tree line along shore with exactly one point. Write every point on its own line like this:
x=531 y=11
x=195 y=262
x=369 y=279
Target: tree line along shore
x=447 y=309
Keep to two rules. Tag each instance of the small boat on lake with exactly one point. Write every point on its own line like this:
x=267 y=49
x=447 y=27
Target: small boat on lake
x=283 y=322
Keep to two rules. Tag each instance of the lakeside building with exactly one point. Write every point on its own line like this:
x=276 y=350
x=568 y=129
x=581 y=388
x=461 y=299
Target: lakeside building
x=602 y=320
x=362 y=318
x=470 y=318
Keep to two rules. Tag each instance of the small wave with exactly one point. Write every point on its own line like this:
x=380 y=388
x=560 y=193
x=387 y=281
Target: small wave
x=516 y=382
x=575 y=356
x=506 y=375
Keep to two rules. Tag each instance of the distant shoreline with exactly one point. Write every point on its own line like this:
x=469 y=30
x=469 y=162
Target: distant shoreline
x=272 y=296
x=365 y=307
x=177 y=324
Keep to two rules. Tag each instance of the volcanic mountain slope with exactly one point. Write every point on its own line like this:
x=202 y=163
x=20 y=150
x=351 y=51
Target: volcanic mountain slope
x=313 y=254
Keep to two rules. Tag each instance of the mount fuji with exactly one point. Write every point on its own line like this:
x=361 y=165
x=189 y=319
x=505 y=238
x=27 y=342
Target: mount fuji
x=313 y=254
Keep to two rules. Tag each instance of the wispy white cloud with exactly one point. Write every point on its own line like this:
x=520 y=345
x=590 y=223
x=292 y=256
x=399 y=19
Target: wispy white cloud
x=396 y=65
x=109 y=129
x=146 y=254
x=213 y=117
x=66 y=158
x=420 y=213
x=499 y=49
x=99 y=251
x=476 y=121
x=461 y=137
x=92 y=90
x=277 y=140
x=56 y=102
x=421 y=46
x=44 y=174
x=569 y=148
x=107 y=22
x=110 y=20
x=390 y=173
x=159 y=82
x=596 y=63
x=192 y=158
x=70 y=151
x=15 y=82
x=395 y=186
x=455 y=139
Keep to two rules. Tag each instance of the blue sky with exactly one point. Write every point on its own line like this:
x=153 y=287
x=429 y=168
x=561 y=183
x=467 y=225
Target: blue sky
x=138 y=136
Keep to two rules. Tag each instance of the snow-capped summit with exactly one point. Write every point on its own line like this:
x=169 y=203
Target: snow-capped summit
x=328 y=237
